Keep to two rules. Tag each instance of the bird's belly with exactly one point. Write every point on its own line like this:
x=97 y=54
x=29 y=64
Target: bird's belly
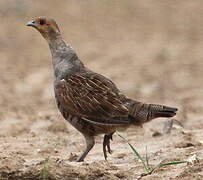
x=85 y=126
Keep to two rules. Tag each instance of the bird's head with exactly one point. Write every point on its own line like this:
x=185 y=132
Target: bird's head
x=46 y=26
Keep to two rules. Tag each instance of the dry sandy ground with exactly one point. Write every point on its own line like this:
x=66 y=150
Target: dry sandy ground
x=152 y=49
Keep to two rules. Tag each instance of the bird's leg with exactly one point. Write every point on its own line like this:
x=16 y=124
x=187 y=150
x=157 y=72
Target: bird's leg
x=89 y=145
x=106 y=144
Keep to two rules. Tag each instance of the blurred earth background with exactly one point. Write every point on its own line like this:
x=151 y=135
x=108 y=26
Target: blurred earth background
x=153 y=51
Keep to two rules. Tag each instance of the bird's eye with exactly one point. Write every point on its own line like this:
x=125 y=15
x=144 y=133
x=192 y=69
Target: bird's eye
x=42 y=22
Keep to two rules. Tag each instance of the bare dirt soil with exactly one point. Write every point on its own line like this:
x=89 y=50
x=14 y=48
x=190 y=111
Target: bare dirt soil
x=152 y=49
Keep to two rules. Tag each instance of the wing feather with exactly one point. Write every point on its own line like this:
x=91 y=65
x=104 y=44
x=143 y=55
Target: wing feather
x=91 y=97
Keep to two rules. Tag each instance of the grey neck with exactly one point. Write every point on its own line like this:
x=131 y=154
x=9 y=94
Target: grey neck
x=64 y=58
x=57 y=45
x=59 y=49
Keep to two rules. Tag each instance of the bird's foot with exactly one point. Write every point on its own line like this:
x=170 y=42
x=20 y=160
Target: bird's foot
x=106 y=144
x=72 y=157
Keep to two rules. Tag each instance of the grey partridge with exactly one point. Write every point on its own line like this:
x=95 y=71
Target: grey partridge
x=89 y=101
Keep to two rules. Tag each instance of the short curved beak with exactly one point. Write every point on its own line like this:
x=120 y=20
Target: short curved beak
x=31 y=23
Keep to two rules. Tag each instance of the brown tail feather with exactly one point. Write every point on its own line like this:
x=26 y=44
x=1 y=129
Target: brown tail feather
x=145 y=112
x=162 y=111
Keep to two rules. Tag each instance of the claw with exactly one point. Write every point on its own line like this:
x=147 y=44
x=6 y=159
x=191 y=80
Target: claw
x=109 y=148
x=106 y=144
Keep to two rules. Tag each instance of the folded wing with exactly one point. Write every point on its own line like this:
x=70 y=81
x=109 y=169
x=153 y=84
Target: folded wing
x=93 y=98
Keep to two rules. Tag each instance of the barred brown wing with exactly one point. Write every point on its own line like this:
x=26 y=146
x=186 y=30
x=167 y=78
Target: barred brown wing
x=92 y=98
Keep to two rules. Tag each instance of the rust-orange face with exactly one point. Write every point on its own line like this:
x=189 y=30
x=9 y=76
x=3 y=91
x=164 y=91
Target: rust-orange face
x=46 y=26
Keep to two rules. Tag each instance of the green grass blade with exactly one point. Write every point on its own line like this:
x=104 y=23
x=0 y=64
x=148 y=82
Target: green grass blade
x=146 y=158
x=44 y=175
x=167 y=164
x=147 y=169
x=172 y=163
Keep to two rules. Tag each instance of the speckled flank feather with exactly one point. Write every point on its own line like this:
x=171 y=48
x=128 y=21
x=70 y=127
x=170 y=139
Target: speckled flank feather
x=89 y=101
